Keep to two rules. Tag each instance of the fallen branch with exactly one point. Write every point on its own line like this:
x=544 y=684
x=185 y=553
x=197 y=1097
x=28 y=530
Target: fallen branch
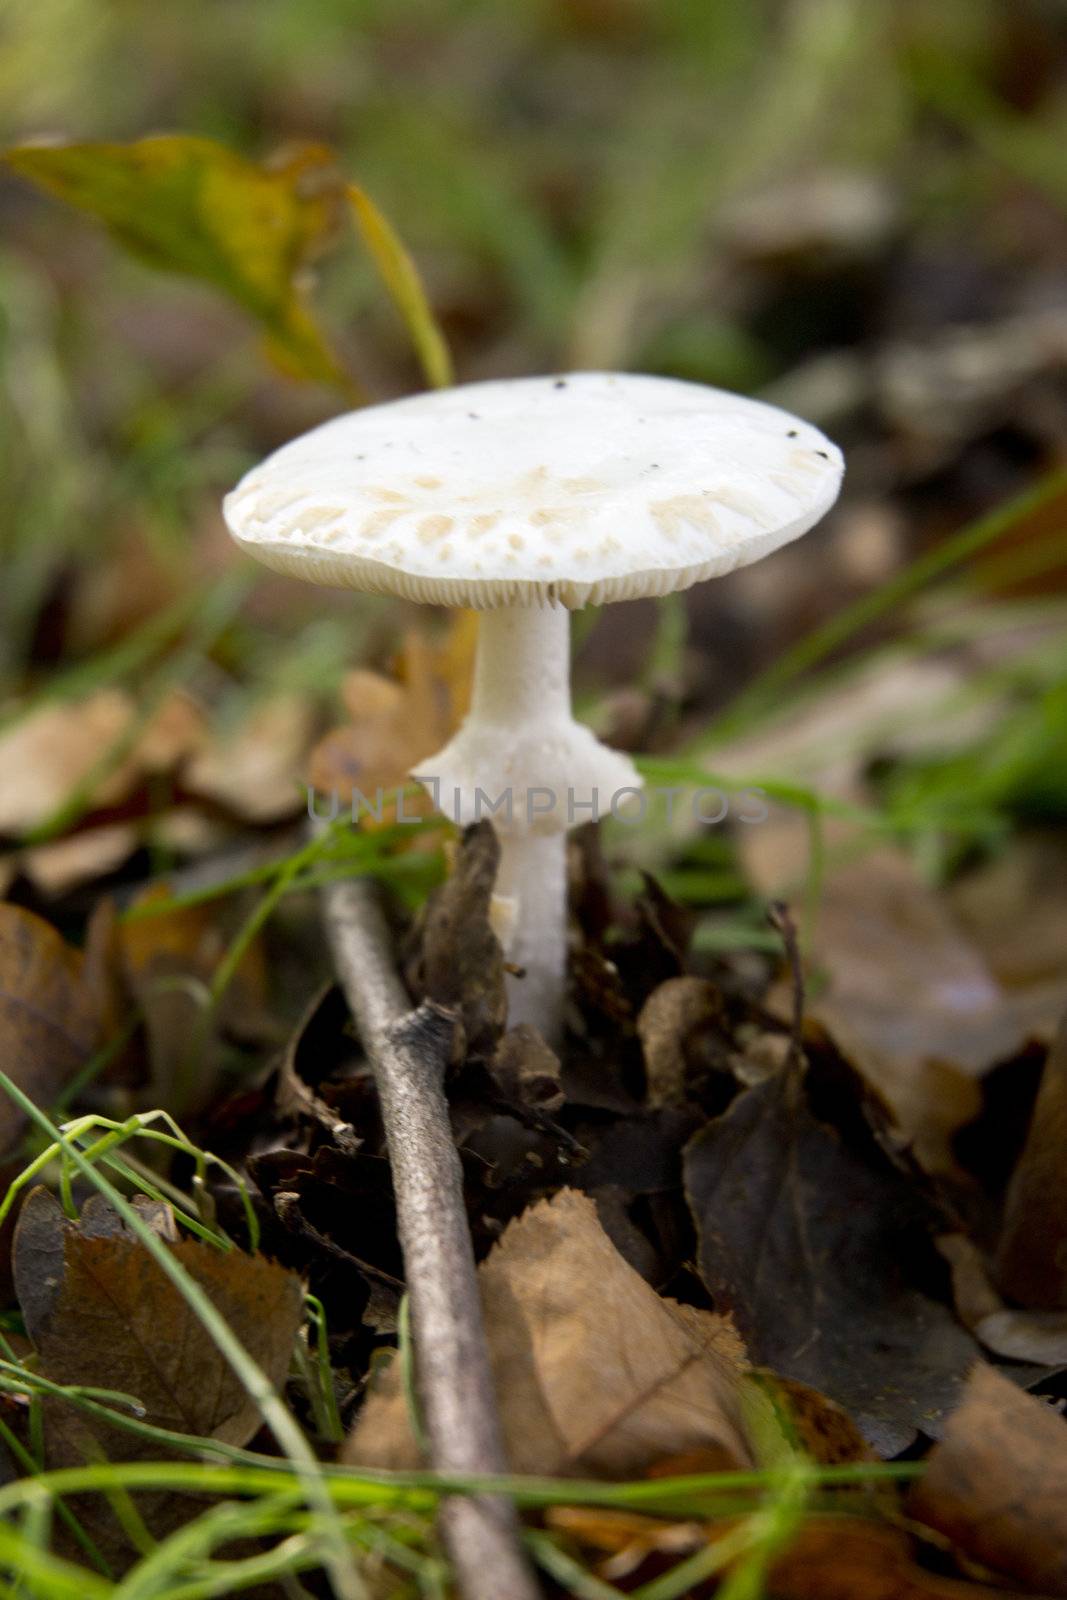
x=408 y=1050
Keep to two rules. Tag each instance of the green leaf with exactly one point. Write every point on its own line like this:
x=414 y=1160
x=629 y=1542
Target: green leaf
x=400 y=277
x=190 y=206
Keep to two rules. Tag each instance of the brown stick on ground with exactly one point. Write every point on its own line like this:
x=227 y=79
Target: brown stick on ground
x=408 y=1051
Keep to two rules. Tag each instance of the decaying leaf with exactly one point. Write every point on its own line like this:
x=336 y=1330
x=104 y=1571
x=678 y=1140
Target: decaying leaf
x=1034 y=1336
x=102 y=1313
x=527 y=1071
x=188 y=205
x=818 y=1245
x=55 y=1004
x=674 y=1021
x=996 y=1484
x=594 y=1371
x=1031 y=1261
x=461 y=964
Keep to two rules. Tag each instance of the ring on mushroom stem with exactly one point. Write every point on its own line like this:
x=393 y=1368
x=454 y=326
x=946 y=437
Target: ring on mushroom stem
x=526 y=498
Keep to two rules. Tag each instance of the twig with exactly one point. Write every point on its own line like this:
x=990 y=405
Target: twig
x=408 y=1051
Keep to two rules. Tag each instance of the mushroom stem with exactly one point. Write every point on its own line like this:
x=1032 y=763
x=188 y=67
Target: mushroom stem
x=521 y=760
x=533 y=875
x=522 y=671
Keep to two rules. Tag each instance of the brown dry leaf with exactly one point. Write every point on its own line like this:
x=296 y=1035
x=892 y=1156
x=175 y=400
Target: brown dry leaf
x=55 y=1005
x=828 y=1558
x=815 y=1424
x=1034 y=1336
x=527 y=1070
x=1031 y=1260
x=595 y=1373
x=996 y=1485
x=63 y=864
x=256 y=773
x=102 y=1313
x=47 y=755
x=396 y=723
x=50 y=752
x=908 y=999
x=461 y=963
x=673 y=1021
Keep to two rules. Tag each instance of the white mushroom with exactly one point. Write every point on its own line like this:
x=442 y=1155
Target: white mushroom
x=526 y=498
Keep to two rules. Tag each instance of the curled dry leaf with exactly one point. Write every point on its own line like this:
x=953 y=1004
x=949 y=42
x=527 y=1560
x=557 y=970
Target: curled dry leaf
x=1033 y=1336
x=527 y=1071
x=461 y=964
x=673 y=1022
x=1031 y=1260
x=820 y=1247
x=996 y=1485
x=594 y=1372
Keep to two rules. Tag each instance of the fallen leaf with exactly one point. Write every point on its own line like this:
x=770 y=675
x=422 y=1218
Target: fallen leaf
x=594 y=1372
x=54 y=1010
x=52 y=751
x=1031 y=1258
x=55 y=750
x=102 y=1313
x=255 y=772
x=1039 y=1337
x=907 y=998
x=996 y=1485
x=188 y=205
x=61 y=865
x=460 y=964
x=395 y=723
x=674 y=1023
x=818 y=1246
x=526 y=1070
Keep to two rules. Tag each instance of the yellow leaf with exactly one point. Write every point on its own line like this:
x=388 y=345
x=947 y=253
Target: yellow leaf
x=190 y=206
x=401 y=278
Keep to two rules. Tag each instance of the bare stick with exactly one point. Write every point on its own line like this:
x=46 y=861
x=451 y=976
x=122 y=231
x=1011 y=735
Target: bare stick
x=408 y=1051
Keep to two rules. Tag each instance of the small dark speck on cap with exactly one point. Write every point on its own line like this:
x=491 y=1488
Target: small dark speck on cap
x=794 y=433
x=823 y=454
x=560 y=383
x=474 y=416
x=654 y=467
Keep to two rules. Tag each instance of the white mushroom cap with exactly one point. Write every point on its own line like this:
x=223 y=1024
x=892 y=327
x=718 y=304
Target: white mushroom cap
x=582 y=489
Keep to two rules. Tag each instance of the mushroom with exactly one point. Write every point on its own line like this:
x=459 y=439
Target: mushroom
x=526 y=498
